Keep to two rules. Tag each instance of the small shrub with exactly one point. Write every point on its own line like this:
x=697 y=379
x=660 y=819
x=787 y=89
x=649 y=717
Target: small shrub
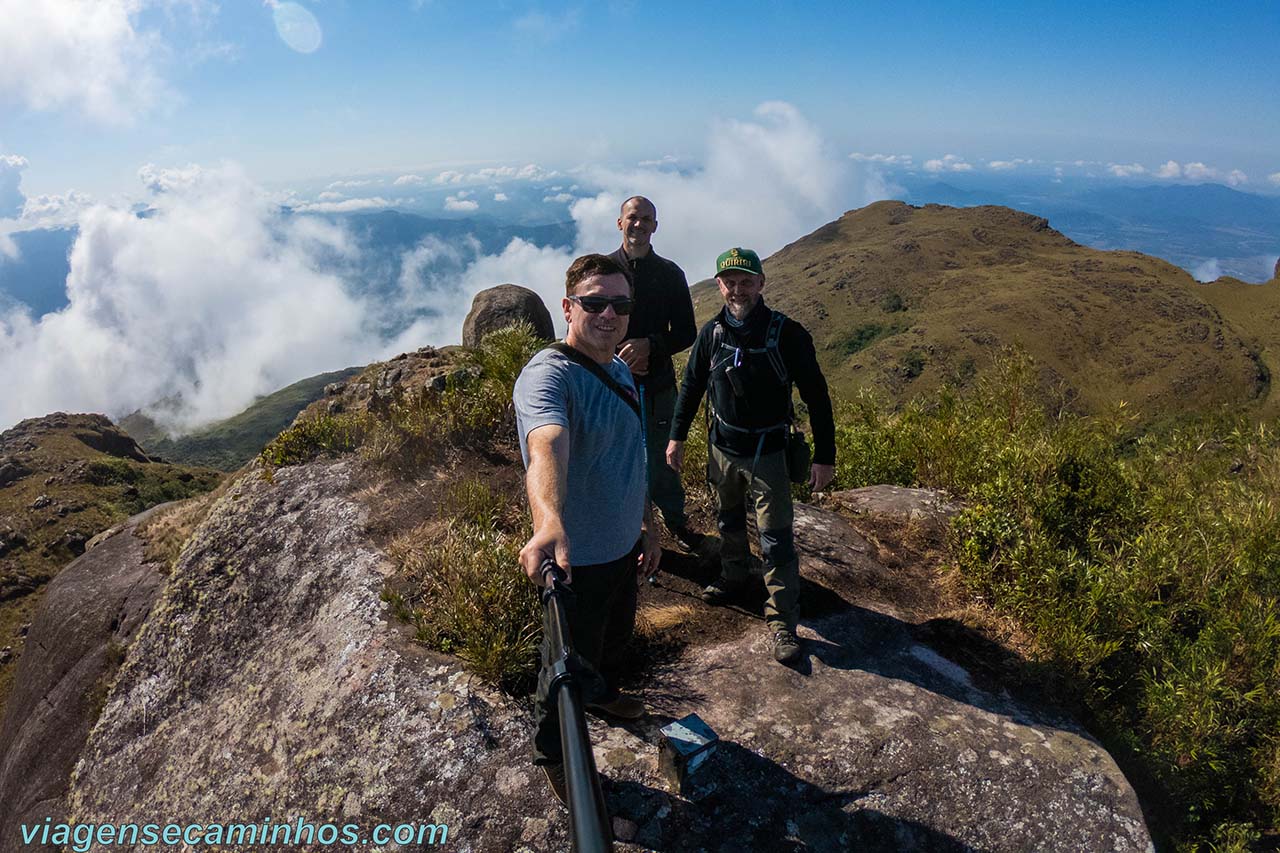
x=462 y=587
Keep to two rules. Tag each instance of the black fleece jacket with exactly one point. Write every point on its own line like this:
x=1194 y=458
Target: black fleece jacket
x=663 y=314
x=765 y=401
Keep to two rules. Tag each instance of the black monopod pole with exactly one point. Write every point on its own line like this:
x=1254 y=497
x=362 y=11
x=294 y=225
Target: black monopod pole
x=588 y=818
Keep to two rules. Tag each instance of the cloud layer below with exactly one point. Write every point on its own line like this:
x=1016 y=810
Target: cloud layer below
x=216 y=296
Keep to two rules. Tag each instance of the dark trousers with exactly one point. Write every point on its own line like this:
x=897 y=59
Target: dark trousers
x=602 y=617
x=665 y=489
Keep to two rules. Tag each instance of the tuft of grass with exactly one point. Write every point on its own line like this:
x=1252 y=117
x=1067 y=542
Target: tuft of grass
x=1147 y=567
x=459 y=584
x=411 y=428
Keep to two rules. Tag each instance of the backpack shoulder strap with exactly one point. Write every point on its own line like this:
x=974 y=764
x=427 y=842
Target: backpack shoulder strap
x=771 y=339
x=599 y=372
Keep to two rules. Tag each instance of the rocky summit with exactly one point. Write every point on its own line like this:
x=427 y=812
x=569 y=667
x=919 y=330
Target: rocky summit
x=269 y=679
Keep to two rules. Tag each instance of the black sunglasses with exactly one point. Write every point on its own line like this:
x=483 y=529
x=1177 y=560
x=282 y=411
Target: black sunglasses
x=622 y=305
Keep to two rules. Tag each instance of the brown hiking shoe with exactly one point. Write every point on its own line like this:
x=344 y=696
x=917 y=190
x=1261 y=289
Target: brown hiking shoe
x=623 y=707
x=722 y=592
x=786 y=646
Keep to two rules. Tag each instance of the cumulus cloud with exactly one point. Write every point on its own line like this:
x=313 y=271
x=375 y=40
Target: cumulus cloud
x=500 y=197
x=459 y=203
x=54 y=211
x=886 y=159
x=1274 y=178
x=11 y=197
x=214 y=297
x=1197 y=171
x=949 y=163
x=1207 y=271
x=667 y=160
x=217 y=296
x=353 y=184
x=1008 y=165
x=1121 y=170
x=558 y=198
x=159 y=180
x=408 y=180
x=349 y=205
x=84 y=55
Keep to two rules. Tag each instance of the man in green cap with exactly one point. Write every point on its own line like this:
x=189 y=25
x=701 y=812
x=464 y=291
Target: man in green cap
x=747 y=359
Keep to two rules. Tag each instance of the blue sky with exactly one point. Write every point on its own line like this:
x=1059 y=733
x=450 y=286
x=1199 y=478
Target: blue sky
x=410 y=85
x=236 y=124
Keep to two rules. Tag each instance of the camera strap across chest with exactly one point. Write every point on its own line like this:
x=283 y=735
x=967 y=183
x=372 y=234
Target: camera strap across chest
x=600 y=373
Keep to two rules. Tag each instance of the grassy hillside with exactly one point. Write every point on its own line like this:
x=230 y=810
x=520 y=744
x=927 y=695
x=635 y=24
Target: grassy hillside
x=1253 y=309
x=63 y=479
x=903 y=300
x=228 y=444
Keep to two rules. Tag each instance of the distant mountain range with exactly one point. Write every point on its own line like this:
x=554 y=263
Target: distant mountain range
x=1207 y=229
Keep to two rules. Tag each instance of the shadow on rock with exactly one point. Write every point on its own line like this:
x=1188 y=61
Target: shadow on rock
x=754 y=804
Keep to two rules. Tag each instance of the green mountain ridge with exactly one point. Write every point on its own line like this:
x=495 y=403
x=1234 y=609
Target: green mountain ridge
x=903 y=299
x=230 y=443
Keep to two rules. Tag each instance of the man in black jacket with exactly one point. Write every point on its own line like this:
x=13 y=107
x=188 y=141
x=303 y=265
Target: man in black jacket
x=661 y=326
x=747 y=358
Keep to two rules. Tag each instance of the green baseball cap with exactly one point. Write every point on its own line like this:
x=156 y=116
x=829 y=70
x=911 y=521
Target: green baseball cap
x=739 y=260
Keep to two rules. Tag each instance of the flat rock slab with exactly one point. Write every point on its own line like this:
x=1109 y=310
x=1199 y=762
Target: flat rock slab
x=267 y=682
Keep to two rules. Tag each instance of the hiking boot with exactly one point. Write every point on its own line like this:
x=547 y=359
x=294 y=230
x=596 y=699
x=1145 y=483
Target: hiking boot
x=786 y=646
x=623 y=707
x=688 y=539
x=555 y=778
x=721 y=592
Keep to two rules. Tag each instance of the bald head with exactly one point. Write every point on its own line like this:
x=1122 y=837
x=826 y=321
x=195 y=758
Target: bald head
x=637 y=220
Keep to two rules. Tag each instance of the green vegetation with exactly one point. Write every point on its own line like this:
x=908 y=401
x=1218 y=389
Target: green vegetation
x=412 y=428
x=1146 y=567
x=867 y=334
x=228 y=444
x=458 y=584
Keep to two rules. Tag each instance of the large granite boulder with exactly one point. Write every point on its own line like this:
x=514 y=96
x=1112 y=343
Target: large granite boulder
x=502 y=306
x=90 y=614
x=270 y=681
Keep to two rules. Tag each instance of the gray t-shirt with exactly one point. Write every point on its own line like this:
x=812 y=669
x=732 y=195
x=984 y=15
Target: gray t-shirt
x=605 y=497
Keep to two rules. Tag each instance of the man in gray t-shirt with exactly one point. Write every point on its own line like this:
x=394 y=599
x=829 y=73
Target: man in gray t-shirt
x=583 y=451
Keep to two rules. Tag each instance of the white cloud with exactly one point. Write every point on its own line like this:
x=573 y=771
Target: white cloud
x=1274 y=178
x=349 y=205
x=1121 y=170
x=160 y=180
x=886 y=159
x=54 y=211
x=558 y=198
x=459 y=204
x=1199 y=172
x=949 y=163
x=495 y=174
x=408 y=180
x=1207 y=271
x=1008 y=165
x=85 y=55
x=329 y=196
x=11 y=197
x=214 y=296
x=353 y=184
x=665 y=160
x=500 y=197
